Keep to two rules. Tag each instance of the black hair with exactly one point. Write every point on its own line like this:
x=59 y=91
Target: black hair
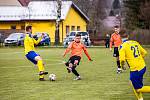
x=123 y=34
x=116 y=26
x=78 y=35
x=28 y=27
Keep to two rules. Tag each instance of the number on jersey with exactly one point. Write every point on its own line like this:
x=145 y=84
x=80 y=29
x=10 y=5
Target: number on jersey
x=135 y=50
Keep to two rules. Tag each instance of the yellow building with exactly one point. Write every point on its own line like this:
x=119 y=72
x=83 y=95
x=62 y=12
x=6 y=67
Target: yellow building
x=42 y=16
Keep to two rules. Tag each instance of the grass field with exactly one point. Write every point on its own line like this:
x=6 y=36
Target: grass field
x=19 y=79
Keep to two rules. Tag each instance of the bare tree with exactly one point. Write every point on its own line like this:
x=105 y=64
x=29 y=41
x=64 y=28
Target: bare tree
x=95 y=10
x=145 y=13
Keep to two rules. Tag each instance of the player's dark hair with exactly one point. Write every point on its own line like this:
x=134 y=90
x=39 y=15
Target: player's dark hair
x=78 y=35
x=116 y=26
x=123 y=33
x=28 y=27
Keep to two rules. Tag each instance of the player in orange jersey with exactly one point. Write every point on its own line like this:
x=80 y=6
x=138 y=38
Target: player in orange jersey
x=76 y=48
x=116 y=40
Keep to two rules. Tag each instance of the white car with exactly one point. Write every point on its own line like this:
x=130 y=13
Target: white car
x=84 y=37
x=14 y=39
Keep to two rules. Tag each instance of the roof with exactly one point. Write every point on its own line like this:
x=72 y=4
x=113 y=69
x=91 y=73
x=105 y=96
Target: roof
x=8 y=13
x=24 y=2
x=9 y=2
x=47 y=9
x=111 y=21
x=38 y=10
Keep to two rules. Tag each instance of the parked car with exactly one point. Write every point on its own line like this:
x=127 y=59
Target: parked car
x=15 y=39
x=84 y=37
x=45 y=40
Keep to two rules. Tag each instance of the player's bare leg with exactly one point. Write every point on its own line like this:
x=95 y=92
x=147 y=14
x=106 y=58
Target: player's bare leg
x=137 y=94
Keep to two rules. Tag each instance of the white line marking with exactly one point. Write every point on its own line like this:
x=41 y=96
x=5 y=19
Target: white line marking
x=59 y=63
x=11 y=52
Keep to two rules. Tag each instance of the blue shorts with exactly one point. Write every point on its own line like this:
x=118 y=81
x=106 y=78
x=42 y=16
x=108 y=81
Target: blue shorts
x=31 y=56
x=136 y=78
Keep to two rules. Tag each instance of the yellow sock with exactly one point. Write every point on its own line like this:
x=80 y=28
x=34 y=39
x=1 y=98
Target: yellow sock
x=40 y=65
x=140 y=96
x=144 y=89
x=41 y=76
x=136 y=94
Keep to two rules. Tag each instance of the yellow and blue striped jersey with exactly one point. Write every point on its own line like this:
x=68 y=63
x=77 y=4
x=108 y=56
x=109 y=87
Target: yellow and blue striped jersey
x=133 y=53
x=29 y=43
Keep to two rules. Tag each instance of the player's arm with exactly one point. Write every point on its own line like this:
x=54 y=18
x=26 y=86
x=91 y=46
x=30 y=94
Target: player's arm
x=68 y=49
x=122 y=55
x=86 y=53
x=142 y=50
x=111 y=42
x=37 y=41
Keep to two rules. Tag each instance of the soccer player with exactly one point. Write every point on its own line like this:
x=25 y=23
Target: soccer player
x=76 y=48
x=30 y=53
x=116 y=40
x=133 y=53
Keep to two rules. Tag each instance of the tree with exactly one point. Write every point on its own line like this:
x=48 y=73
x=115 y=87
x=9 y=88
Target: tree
x=116 y=4
x=134 y=11
x=144 y=14
x=95 y=10
x=111 y=13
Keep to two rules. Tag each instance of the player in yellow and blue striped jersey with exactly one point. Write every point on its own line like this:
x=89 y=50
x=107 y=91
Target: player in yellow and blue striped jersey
x=30 y=53
x=133 y=53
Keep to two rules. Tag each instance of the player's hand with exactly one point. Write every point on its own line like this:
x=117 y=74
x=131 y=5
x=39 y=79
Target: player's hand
x=122 y=63
x=90 y=60
x=110 y=49
x=63 y=55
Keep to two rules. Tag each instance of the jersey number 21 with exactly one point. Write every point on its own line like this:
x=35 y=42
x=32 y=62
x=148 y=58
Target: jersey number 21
x=135 y=50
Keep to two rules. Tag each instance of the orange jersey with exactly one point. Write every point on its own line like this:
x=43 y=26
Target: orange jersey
x=116 y=40
x=76 y=49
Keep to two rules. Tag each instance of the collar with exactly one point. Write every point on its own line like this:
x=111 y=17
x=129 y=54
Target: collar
x=116 y=33
x=30 y=35
x=124 y=40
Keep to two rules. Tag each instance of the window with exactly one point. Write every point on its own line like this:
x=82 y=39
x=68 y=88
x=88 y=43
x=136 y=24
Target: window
x=13 y=27
x=73 y=28
x=78 y=28
x=72 y=33
x=83 y=33
x=67 y=29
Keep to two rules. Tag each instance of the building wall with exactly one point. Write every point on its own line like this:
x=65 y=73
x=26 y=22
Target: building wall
x=8 y=25
x=73 y=19
x=43 y=26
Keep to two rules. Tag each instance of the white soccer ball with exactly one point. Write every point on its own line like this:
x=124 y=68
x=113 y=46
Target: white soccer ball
x=52 y=77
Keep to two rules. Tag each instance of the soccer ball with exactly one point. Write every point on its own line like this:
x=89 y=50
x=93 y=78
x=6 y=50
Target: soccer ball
x=52 y=77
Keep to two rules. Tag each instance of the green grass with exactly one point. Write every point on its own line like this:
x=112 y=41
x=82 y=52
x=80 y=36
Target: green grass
x=19 y=79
